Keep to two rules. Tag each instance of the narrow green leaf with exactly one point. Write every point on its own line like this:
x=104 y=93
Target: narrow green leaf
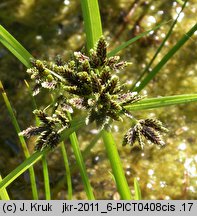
x=116 y=165
x=21 y=169
x=137 y=190
x=152 y=103
x=44 y=158
x=166 y=58
x=4 y=194
x=92 y=21
x=85 y=153
x=132 y=40
x=146 y=70
x=46 y=178
x=81 y=164
x=67 y=167
x=21 y=139
x=15 y=47
x=75 y=125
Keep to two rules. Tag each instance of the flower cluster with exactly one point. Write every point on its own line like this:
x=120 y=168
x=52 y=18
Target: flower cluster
x=89 y=83
x=49 y=129
x=149 y=129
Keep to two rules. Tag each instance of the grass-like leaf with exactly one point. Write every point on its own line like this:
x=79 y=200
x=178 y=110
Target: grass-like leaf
x=75 y=125
x=160 y=47
x=132 y=40
x=21 y=139
x=92 y=21
x=152 y=103
x=81 y=164
x=74 y=168
x=166 y=58
x=21 y=169
x=68 y=173
x=46 y=177
x=137 y=190
x=15 y=47
x=116 y=165
x=4 y=194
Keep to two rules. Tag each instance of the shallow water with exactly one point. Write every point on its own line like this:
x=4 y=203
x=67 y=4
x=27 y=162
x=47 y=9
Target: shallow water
x=55 y=27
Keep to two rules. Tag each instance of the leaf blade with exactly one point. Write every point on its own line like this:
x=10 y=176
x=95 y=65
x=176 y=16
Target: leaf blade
x=166 y=58
x=151 y=103
x=132 y=40
x=15 y=47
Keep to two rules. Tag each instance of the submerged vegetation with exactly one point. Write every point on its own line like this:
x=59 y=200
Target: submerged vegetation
x=87 y=91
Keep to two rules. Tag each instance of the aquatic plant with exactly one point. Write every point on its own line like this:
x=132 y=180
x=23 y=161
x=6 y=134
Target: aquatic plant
x=88 y=82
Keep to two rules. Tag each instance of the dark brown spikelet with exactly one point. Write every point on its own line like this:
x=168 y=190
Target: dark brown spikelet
x=53 y=140
x=129 y=137
x=70 y=75
x=129 y=98
x=111 y=61
x=32 y=131
x=115 y=106
x=152 y=135
x=36 y=89
x=105 y=75
x=94 y=60
x=105 y=99
x=156 y=124
x=78 y=103
x=85 y=66
x=92 y=115
x=120 y=65
x=81 y=57
x=63 y=118
x=138 y=132
x=83 y=77
x=101 y=51
x=66 y=107
x=111 y=85
x=42 y=117
x=42 y=140
x=96 y=84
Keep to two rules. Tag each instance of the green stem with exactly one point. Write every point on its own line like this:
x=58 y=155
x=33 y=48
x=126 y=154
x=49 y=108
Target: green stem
x=85 y=153
x=44 y=160
x=68 y=175
x=4 y=194
x=46 y=178
x=92 y=22
x=21 y=169
x=93 y=30
x=147 y=68
x=22 y=141
x=166 y=58
x=81 y=164
x=116 y=165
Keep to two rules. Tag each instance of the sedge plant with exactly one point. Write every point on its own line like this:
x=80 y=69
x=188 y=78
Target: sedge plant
x=87 y=82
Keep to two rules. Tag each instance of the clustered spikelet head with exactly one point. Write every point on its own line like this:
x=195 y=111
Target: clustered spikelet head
x=149 y=129
x=88 y=83
x=49 y=130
